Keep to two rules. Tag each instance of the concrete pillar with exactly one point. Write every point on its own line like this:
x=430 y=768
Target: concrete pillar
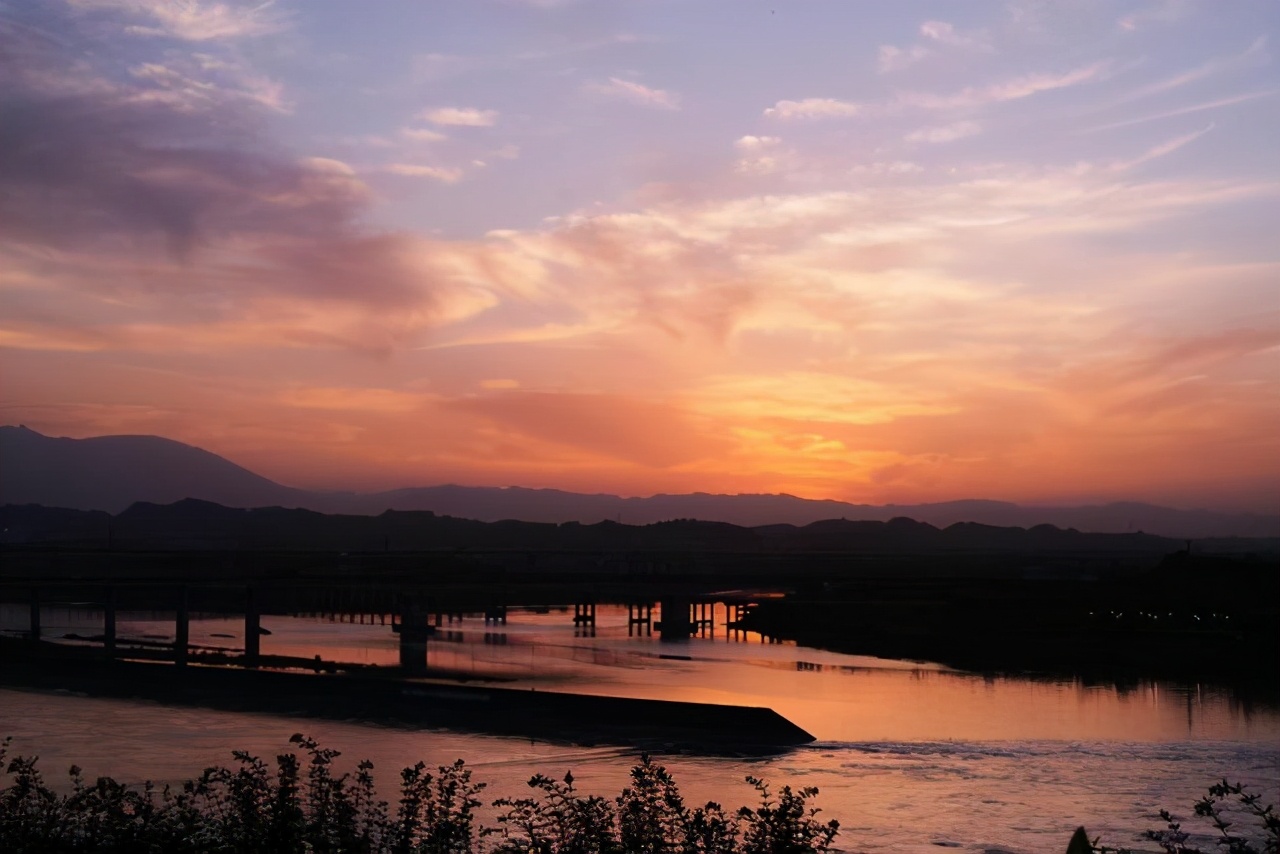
x=584 y=617
x=414 y=630
x=252 y=628
x=639 y=618
x=34 y=630
x=109 y=622
x=182 y=628
x=675 y=619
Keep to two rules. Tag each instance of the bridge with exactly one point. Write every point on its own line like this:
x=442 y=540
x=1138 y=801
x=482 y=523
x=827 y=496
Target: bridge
x=414 y=595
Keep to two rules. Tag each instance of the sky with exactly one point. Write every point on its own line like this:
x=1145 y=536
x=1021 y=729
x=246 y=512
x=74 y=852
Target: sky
x=871 y=251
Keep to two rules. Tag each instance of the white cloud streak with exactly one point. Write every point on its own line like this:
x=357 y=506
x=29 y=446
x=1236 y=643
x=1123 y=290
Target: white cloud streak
x=436 y=173
x=461 y=116
x=1011 y=90
x=1255 y=53
x=811 y=108
x=1162 y=149
x=1183 y=111
x=422 y=135
x=636 y=93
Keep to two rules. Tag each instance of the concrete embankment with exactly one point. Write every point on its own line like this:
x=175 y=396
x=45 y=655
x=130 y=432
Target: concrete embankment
x=576 y=718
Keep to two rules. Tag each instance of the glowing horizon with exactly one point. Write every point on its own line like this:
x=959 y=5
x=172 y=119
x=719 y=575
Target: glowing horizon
x=903 y=254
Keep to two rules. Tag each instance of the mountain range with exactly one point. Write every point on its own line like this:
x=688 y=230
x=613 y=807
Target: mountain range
x=111 y=473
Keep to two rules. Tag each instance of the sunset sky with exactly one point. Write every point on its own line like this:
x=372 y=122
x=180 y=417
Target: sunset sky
x=879 y=252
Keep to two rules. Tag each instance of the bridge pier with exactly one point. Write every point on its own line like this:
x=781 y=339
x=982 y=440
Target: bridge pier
x=496 y=614
x=639 y=616
x=109 y=622
x=584 y=617
x=33 y=633
x=675 y=625
x=252 y=628
x=739 y=612
x=414 y=629
x=182 y=628
x=704 y=619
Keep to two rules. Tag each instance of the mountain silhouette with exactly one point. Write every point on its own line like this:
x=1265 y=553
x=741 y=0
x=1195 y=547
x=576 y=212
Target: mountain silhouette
x=111 y=473
x=192 y=524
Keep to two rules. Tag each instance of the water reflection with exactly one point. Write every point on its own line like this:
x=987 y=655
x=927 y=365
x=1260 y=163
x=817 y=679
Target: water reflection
x=835 y=696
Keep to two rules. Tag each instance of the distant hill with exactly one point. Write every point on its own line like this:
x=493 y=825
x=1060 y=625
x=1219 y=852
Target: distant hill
x=111 y=473
x=202 y=525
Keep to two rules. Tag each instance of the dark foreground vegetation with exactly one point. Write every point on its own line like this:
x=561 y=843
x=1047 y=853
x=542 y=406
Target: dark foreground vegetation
x=305 y=806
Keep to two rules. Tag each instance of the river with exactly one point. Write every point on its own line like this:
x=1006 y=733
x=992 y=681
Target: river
x=909 y=757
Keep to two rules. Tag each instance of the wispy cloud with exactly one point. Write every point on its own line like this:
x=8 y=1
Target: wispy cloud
x=871 y=295
x=636 y=93
x=205 y=85
x=755 y=143
x=892 y=58
x=1255 y=54
x=760 y=154
x=192 y=20
x=422 y=135
x=161 y=179
x=1161 y=12
x=1183 y=111
x=436 y=173
x=441 y=66
x=811 y=108
x=1010 y=90
x=944 y=133
x=1162 y=149
x=461 y=116
x=382 y=400
x=945 y=33
x=890 y=167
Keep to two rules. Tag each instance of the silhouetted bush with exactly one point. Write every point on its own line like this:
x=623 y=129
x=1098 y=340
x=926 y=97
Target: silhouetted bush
x=1240 y=822
x=251 y=808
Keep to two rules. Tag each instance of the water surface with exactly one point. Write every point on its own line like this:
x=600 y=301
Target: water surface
x=910 y=755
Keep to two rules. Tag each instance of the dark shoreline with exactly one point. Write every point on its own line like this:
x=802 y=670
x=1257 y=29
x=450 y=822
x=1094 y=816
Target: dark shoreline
x=1192 y=619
